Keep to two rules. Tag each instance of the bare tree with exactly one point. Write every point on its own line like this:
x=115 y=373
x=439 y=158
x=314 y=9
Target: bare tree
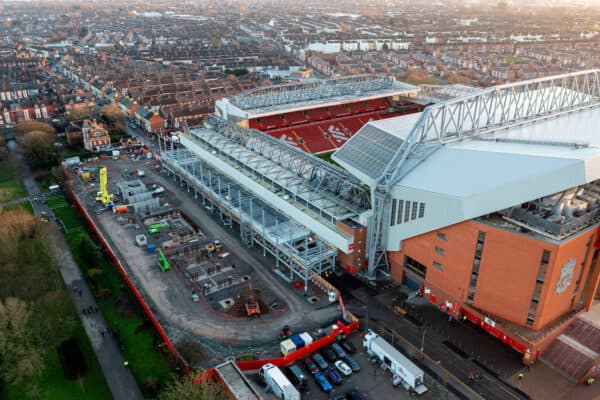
x=21 y=358
x=24 y=127
x=39 y=147
x=186 y=388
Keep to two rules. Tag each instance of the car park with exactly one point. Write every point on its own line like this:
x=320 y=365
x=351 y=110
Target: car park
x=329 y=354
x=333 y=376
x=348 y=346
x=323 y=383
x=310 y=365
x=320 y=361
x=354 y=395
x=338 y=350
x=343 y=367
x=352 y=363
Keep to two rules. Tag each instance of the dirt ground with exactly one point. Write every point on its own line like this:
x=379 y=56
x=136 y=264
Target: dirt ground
x=169 y=293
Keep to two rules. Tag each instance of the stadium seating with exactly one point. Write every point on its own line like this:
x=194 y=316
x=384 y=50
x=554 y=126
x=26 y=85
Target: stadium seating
x=327 y=128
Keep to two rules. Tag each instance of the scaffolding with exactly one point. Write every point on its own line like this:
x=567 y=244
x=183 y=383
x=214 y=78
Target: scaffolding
x=292 y=246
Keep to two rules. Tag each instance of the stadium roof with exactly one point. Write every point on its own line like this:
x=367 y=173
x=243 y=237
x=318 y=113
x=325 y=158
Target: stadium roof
x=297 y=96
x=520 y=142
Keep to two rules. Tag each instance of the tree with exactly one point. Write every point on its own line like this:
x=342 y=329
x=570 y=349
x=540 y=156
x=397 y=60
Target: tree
x=24 y=127
x=186 y=388
x=39 y=148
x=83 y=31
x=113 y=113
x=89 y=251
x=21 y=358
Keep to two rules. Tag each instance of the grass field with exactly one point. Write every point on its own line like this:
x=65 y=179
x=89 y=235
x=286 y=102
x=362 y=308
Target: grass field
x=11 y=186
x=144 y=359
x=25 y=205
x=69 y=216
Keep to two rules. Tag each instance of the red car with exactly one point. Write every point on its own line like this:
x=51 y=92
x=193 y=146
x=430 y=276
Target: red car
x=310 y=365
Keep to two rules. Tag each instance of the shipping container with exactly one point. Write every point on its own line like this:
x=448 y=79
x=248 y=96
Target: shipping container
x=287 y=347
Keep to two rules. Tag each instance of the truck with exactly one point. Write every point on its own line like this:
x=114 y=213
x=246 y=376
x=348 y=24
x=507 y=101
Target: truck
x=403 y=370
x=277 y=382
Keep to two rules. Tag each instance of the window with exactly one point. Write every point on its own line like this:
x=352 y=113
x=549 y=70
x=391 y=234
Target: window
x=415 y=266
x=477 y=259
x=439 y=250
x=530 y=319
x=471 y=297
x=400 y=209
x=394 y=205
x=407 y=212
x=421 y=210
x=442 y=236
x=415 y=206
x=539 y=282
x=437 y=266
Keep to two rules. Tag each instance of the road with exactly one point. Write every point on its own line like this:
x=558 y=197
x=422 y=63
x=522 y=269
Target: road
x=119 y=378
x=382 y=319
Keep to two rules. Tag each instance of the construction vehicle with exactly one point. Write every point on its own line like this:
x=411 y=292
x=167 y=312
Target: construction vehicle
x=103 y=196
x=252 y=306
x=163 y=263
x=214 y=246
x=285 y=332
x=154 y=228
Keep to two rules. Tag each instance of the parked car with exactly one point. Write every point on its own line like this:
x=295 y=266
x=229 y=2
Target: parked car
x=343 y=367
x=320 y=361
x=338 y=350
x=354 y=394
x=348 y=346
x=297 y=377
x=323 y=383
x=333 y=376
x=329 y=354
x=310 y=365
x=352 y=363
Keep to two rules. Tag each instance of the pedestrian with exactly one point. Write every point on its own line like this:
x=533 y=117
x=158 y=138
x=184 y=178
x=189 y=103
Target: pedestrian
x=102 y=333
x=84 y=311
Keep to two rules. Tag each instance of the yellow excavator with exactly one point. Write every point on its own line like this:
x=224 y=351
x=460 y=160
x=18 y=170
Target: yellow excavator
x=103 y=195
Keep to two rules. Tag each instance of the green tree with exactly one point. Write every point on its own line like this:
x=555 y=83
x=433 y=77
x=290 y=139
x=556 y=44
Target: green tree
x=186 y=388
x=89 y=251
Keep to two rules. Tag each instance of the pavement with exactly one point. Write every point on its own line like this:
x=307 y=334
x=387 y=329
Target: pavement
x=119 y=378
x=438 y=359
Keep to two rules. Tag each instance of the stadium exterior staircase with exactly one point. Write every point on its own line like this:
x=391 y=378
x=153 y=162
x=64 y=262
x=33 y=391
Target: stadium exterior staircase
x=576 y=352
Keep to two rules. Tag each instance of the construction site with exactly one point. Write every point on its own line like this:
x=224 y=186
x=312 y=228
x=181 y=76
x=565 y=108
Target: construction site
x=191 y=268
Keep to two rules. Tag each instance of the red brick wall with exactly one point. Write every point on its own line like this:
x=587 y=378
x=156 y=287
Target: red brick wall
x=509 y=267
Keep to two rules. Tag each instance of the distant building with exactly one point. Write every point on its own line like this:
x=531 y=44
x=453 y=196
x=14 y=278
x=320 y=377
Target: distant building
x=95 y=135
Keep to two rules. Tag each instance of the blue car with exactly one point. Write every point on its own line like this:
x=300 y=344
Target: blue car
x=323 y=382
x=333 y=376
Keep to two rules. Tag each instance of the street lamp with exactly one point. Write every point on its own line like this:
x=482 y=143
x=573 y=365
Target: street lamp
x=366 y=308
x=423 y=342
